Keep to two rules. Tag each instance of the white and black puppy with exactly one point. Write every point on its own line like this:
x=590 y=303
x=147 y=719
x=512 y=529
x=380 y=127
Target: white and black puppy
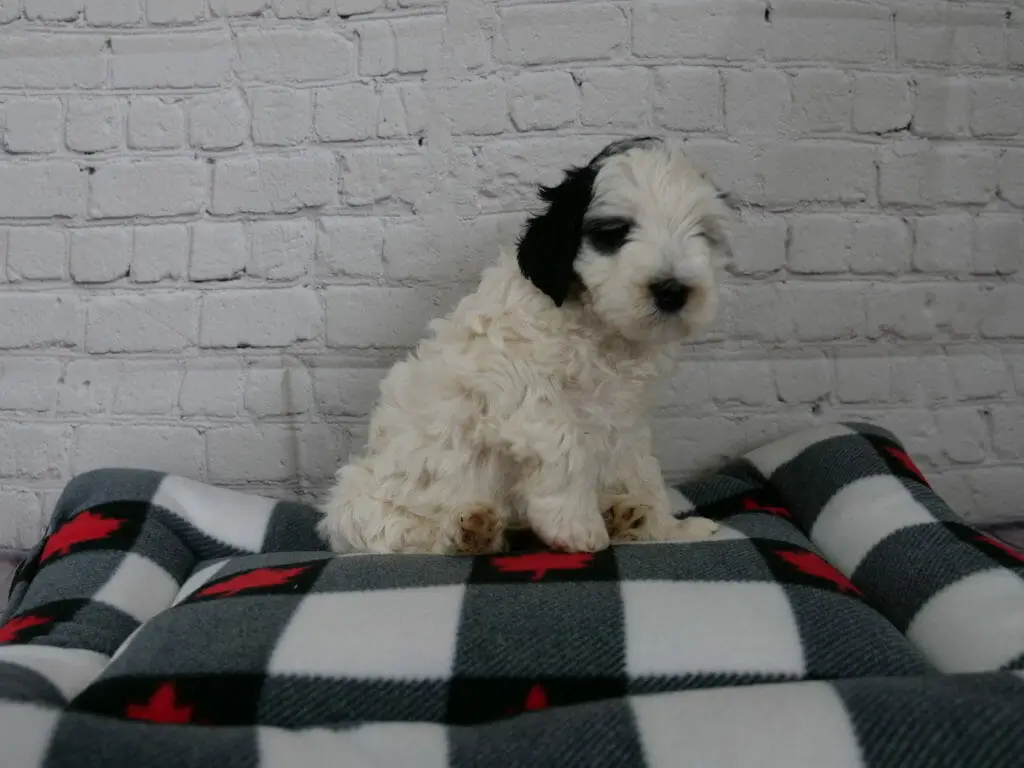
x=529 y=404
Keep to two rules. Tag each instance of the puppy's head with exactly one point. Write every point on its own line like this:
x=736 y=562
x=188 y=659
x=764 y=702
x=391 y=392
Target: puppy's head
x=638 y=234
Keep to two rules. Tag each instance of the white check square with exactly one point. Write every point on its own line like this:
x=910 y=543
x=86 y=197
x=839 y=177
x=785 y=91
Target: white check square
x=381 y=633
x=139 y=587
x=69 y=670
x=237 y=519
x=770 y=726
x=860 y=515
x=27 y=730
x=975 y=624
x=424 y=745
x=681 y=628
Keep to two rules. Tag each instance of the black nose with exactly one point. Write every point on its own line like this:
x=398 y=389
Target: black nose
x=669 y=295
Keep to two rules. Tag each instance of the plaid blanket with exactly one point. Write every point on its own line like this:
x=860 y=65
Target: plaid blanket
x=842 y=617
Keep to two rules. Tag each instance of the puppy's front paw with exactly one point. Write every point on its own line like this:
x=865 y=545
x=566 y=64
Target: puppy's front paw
x=481 y=531
x=693 y=529
x=586 y=535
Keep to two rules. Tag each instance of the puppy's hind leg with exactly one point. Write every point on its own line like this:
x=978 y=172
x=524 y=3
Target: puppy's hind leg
x=363 y=513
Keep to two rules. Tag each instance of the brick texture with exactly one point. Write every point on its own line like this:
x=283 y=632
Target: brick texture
x=221 y=221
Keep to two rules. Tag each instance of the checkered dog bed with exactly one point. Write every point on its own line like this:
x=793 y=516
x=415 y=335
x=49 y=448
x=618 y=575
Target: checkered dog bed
x=842 y=617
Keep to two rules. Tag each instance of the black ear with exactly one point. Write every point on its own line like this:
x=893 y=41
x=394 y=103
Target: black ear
x=551 y=240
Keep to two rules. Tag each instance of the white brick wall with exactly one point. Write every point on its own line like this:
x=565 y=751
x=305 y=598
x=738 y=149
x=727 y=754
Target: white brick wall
x=220 y=221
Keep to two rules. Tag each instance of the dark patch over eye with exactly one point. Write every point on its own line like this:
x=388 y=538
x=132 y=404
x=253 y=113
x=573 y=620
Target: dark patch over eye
x=607 y=235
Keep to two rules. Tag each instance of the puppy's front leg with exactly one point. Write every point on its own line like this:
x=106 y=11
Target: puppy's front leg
x=635 y=501
x=558 y=484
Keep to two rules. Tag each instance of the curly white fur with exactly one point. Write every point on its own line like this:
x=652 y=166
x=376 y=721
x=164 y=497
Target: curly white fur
x=520 y=410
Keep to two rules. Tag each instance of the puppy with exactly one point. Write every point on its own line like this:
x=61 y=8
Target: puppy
x=528 y=405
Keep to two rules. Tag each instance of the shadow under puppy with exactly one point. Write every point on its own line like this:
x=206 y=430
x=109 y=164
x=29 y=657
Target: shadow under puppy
x=529 y=404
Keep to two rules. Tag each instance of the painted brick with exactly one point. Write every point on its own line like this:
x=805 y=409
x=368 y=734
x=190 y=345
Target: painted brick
x=543 y=100
x=546 y=34
x=36 y=253
x=964 y=435
x=915 y=173
x=164 y=187
x=346 y=391
x=1011 y=176
x=40 y=320
x=437 y=251
x=34 y=451
x=178 y=450
x=831 y=243
x=281 y=250
x=274 y=453
x=757 y=102
x=943 y=243
x=274 y=184
x=688 y=98
x=998 y=244
x=950 y=35
x=53 y=10
x=46 y=62
x=212 y=388
x=615 y=98
x=805 y=379
x=942 y=107
x=378 y=317
x=219 y=251
x=94 y=125
x=28 y=384
x=742 y=382
x=709 y=29
x=269 y=55
x=150 y=323
x=345 y=113
x=1008 y=431
x=881 y=103
x=843 y=32
x=190 y=60
x=997 y=107
x=218 y=121
x=824 y=172
x=260 y=318
x=43 y=189
x=100 y=254
x=476 y=107
x=148 y=388
x=155 y=123
x=1003 y=318
x=113 y=12
x=33 y=126
x=278 y=391
x=822 y=101
x=978 y=374
x=281 y=116
x=350 y=246
x=175 y=11
x=161 y=252
x=758 y=243
x=88 y=387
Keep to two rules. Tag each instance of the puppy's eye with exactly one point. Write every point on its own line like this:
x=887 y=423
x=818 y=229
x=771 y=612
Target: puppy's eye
x=608 y=235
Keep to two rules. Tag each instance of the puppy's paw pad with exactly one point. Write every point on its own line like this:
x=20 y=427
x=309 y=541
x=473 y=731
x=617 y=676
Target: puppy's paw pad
x=695 y=529
x=623 y=518
x=481 y=531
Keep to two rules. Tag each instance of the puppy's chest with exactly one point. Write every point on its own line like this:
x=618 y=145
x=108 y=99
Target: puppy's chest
x=602 y=401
